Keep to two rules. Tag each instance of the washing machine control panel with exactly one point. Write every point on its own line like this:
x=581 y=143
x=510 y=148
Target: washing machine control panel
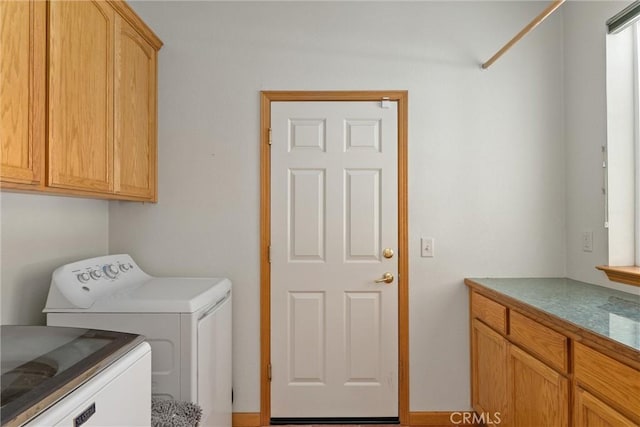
x=107 y=271
x=82 y=282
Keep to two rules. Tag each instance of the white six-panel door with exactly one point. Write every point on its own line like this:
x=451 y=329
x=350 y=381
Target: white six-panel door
x=334 y=210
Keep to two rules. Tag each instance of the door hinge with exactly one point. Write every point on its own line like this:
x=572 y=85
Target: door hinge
x=269 y=136
x=269 y=253
x=269 y=371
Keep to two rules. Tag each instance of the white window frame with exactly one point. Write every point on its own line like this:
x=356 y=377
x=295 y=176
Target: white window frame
x=622 y=164
x=636 y=63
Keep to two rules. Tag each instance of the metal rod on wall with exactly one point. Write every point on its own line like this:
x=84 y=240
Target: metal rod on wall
x=626 y=17
x=533 y=24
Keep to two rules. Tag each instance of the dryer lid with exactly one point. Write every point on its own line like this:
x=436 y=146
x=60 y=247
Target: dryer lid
x=165 y=295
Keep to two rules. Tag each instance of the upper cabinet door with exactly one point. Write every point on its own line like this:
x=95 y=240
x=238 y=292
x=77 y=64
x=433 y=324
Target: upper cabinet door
x=135 y=114
x=81 y=35
x=22 y=90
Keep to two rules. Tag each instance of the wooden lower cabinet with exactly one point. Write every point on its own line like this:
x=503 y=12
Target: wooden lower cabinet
x=521 y=369
x=614 y=384
x=589 y=411
x=539 y=395
x=511 y=386
x=489 y=353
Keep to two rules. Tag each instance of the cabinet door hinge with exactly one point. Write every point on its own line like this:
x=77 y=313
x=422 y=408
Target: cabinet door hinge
x=269 y=136
x=269 y=371
x=269 y=253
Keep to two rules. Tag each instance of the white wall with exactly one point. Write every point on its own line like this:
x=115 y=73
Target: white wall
x=585 y=133
x=487 y=158
x=486 y=153
x=38 y=234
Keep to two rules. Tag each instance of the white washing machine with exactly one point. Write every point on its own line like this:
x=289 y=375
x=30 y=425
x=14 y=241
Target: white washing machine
x=53 y=376
x=187 y=322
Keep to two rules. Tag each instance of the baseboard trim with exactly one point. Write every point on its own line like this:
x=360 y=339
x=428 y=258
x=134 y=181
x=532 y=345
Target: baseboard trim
x=245 y=419
x=340 y=421
x=440 y=419
x=418 y=419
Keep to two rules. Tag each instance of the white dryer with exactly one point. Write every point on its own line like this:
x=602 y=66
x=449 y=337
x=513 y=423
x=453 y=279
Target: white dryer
x=187 y=322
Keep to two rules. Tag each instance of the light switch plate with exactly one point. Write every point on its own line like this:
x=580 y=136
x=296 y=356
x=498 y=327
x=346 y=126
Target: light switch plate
x=426 y=247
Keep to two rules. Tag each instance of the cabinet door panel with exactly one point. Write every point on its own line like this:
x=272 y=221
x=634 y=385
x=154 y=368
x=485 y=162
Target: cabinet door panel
x=81 y=95
x=489 y=352
x=540 y=395
x=22 y=85
x=135 y=112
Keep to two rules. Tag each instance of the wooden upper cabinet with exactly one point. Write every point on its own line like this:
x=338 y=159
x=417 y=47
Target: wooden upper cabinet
x=22 y=90
x=78 y=99
x=81 y=95
x=135 y=112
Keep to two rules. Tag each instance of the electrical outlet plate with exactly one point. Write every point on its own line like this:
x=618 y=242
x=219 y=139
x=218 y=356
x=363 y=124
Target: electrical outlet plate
x=587 y=241
x=426 y=247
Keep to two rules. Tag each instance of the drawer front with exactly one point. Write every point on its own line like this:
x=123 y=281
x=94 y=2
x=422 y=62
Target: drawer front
x=490 y=312
x=544 y=342
x=590 y=411
x=614 y=382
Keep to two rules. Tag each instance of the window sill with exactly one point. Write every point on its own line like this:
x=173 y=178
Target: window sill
x=629 y=275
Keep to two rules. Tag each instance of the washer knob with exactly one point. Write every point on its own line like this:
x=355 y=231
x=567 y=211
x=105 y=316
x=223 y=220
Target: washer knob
x=111 y=271
x=83 y=277
x=96 y=274
x=124 y=267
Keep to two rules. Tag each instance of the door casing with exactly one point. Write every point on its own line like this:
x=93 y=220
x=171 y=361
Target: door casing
x=401 y=97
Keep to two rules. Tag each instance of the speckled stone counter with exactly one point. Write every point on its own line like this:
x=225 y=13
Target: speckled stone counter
x=607 y=312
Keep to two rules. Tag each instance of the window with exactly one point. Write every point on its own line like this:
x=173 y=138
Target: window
x=637 y=137
x=622 y=154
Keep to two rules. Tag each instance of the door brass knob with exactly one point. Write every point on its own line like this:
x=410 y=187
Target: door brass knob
x=387 y=253
x=386 y=278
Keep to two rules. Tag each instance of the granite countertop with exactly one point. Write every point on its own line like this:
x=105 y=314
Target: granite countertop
x=607 y=312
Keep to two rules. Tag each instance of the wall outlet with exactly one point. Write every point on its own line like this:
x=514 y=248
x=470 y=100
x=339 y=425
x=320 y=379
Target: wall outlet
x=587 y=241
x=426 y=247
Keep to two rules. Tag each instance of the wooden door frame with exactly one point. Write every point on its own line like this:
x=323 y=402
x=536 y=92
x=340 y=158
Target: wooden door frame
x=402 y=98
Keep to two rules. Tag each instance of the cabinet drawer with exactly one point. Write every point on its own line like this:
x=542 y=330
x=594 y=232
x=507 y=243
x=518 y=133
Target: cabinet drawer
x=614 y=382
x=490 y=312
x=544 y=342
x=592 y=412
